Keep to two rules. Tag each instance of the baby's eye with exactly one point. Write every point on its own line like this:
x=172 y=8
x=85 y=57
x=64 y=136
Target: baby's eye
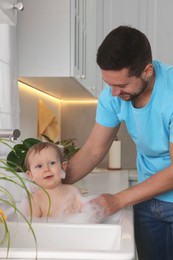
x=52 y=162
x=38 y=166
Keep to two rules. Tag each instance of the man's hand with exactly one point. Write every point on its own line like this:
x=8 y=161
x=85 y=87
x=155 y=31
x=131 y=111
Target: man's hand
x=107 y=202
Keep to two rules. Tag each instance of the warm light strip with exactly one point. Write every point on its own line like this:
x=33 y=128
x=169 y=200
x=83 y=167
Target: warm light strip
x=70 y=101
x=78 y=101
x=24 y=85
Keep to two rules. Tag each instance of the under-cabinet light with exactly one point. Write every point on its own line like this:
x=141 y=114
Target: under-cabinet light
x=32 y=89
x=68 y=101
x=79 y=101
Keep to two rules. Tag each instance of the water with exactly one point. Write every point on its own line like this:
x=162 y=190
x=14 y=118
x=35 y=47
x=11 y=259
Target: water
x=89 y=213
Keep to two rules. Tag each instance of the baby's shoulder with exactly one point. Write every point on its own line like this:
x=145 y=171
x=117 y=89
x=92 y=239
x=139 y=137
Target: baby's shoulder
x=71 y=188
x=39 y=194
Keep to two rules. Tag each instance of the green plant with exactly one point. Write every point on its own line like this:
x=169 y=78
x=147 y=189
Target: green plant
x=16 y=156
x=7 y=201
x=68 y=146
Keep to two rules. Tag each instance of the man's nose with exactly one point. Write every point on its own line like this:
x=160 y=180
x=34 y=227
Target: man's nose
x=116 y=91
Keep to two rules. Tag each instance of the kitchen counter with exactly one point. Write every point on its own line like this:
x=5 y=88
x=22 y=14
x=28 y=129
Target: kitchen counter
x=104 y=180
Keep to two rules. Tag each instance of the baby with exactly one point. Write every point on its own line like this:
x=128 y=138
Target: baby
x=44 y=166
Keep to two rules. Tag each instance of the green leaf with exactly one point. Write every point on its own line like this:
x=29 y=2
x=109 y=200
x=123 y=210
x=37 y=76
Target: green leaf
x=30 y=142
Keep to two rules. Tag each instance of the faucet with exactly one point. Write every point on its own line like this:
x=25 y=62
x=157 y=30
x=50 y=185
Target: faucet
x=12 y=134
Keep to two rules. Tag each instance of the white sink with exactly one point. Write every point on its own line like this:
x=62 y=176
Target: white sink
x=112 y=239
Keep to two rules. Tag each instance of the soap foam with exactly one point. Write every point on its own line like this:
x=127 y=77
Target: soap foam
x=88 y=214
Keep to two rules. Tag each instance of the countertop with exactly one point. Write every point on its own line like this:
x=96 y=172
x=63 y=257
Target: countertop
x=105 y=181
x=133 y=175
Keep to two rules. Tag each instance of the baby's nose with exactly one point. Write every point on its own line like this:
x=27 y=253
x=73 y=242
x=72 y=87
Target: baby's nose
x=46 y=168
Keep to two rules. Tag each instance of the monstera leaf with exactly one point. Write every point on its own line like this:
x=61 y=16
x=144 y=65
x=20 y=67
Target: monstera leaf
x=16 y=156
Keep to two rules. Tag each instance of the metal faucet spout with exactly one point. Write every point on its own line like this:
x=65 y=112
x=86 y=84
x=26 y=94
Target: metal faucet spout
x=12 y=134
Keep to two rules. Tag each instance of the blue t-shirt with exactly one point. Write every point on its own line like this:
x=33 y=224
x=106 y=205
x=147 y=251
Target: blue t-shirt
x=150 y=127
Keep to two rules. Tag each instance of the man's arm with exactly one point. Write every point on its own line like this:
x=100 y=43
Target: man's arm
x=158 y=183
x=91 y=153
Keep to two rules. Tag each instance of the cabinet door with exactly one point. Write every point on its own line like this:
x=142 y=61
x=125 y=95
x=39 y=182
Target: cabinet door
x=119 y=12
x=44 y=39
x=159 y=29
x=84 y=20
x=154 y=18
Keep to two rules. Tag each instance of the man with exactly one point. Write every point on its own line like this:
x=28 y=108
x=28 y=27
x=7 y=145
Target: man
x=139 y=92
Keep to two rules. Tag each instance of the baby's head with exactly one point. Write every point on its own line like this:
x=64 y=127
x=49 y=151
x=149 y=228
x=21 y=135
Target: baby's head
x=44 y=163
x=37 y=148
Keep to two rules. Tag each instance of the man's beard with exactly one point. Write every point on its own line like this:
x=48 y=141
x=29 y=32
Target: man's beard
x=128 y=96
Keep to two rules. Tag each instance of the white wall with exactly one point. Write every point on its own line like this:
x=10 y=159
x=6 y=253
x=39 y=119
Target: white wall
x=77 y=122
x=9 y=100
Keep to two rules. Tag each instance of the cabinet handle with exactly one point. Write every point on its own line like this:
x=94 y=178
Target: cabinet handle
x=19 y=6
x=83 y=54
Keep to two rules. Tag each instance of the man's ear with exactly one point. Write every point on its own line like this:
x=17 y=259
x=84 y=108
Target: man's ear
x=148 y=71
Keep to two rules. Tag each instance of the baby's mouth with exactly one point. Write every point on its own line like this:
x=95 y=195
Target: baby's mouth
x=48 y=177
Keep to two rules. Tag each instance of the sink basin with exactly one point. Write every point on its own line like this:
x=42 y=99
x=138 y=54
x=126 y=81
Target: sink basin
x=109 y=240
x=112 y=239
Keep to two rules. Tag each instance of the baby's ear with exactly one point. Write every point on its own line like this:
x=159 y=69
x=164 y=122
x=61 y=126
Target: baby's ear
x=29 y=174
x=63 y=174
x=64 y=165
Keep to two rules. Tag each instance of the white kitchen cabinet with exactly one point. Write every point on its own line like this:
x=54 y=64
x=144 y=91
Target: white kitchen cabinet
x=57 y=38
x=44 y=39
x=159 y=29
x=85 y=43
x=154 y=18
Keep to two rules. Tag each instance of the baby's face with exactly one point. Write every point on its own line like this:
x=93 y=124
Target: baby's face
x=45 y=168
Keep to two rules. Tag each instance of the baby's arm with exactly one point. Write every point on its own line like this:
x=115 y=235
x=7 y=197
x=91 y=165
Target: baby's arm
x=73 y=204
x=36 y=210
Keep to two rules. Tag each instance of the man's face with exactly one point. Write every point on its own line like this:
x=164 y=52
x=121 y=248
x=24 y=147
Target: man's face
x=123 y=86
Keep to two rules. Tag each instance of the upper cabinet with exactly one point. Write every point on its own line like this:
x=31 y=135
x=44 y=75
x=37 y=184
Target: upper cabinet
x=44 y=39
x=85 y=18
x=58 y=39
x=154 y=18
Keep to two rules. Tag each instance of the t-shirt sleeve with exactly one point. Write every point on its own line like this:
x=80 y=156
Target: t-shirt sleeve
x=171 y=130
x=106 y=109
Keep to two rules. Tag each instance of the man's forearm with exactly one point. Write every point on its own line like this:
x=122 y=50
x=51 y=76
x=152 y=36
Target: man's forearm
x=153 y=186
